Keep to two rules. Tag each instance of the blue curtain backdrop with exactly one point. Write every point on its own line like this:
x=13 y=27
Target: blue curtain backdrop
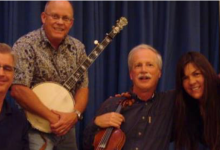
x=171 y=27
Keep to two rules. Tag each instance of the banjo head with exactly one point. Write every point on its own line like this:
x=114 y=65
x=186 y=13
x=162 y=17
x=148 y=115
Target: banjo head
x=54 y=97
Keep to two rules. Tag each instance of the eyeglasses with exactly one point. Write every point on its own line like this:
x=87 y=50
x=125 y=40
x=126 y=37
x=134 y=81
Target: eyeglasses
x=57 y=17
x=7 y=68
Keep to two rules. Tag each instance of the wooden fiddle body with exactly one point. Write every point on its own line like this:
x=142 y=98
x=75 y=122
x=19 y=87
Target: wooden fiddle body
x=113 y=138
x=115 y=142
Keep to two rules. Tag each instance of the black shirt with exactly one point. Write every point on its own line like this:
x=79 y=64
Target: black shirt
x=147 y=125
x=13 y=128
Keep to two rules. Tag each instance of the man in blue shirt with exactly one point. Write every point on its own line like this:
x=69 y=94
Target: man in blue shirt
x=13 y=124
x=147 y=123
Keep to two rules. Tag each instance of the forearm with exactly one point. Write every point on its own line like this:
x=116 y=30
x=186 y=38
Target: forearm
x=30 y=102
x=81 y=99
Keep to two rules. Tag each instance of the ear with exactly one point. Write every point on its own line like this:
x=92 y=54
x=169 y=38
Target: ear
x=160 y=74
x=72 y=23
x=131 y=77
x=43 y=17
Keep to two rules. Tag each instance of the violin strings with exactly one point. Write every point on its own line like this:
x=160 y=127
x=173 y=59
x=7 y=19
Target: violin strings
x=105 y=138
x=107 y=133
x=102 y=141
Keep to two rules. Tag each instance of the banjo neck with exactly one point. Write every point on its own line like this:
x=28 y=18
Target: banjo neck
x=74 y=78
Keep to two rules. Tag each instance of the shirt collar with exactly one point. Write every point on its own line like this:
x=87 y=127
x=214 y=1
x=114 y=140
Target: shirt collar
x=133 y=95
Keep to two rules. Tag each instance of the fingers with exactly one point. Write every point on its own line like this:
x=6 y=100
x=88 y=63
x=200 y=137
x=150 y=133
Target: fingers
x=109 y=119
x=60 y=129
x=116 y=120
x=61 y=132
x=119 y=95
x=65 y=123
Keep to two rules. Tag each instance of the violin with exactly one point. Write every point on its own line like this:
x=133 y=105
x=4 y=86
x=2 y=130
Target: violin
x=109 y=139
x=112 y=138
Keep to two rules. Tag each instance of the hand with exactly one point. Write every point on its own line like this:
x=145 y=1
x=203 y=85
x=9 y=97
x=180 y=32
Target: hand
x=65 y=123
x=109 y=120
x=119 y=95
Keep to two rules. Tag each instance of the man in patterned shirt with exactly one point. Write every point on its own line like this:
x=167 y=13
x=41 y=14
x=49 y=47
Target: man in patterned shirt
x=50 y=54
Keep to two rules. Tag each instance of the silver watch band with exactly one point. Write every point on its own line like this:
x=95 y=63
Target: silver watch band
x=78 y=113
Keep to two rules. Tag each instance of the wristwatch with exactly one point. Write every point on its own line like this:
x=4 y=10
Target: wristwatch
x=79 y=115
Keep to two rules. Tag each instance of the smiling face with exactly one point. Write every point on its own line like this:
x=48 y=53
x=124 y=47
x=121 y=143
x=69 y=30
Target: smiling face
x=193 y=81
x=145 y=71
x=6 y=75
x=55 y=20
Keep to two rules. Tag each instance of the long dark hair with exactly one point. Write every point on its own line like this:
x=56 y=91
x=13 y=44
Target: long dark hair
x=192 y=128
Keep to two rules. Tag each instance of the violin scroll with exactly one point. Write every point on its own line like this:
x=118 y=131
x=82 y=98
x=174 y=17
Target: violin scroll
x=128 y=101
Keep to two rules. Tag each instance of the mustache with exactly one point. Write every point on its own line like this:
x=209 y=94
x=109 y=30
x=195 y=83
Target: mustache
x=145 y=76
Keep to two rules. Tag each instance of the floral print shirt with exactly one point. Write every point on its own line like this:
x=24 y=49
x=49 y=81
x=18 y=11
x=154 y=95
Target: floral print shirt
x=38 y=61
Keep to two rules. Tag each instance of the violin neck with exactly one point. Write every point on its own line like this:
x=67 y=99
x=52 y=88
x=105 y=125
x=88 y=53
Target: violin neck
x=108 y=132
x=118 y=110
x=106 y=137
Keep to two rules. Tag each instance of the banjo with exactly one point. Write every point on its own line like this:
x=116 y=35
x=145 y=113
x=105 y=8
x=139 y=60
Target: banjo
x=58 y=97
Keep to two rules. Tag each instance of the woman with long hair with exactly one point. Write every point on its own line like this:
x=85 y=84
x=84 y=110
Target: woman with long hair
x=197 y=106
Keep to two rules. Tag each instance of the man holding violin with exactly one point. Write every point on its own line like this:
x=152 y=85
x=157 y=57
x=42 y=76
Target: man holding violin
x=147 y=122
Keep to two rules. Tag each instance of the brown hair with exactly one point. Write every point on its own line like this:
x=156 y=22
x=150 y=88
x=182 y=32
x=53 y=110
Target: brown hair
x=188 y=111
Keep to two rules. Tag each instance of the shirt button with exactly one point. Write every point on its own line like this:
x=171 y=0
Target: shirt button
x=139 y=133
x=136 y=148
x=143 y=117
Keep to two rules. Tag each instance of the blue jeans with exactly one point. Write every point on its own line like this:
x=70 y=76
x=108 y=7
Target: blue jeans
x=66 y=142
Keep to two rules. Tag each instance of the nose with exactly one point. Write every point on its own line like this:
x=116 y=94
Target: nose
x=60 y=20
x=143 y=68
x=192 y=80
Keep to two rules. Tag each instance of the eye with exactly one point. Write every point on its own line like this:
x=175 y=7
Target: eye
x=66 y=19
x=150 y=64
x=138 y=65
x=8 y=68
x=197 y=73
x=55 y=16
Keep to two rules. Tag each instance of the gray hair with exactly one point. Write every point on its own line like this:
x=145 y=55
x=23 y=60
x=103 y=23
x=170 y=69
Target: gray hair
x=144 y=46
x=6 y=49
